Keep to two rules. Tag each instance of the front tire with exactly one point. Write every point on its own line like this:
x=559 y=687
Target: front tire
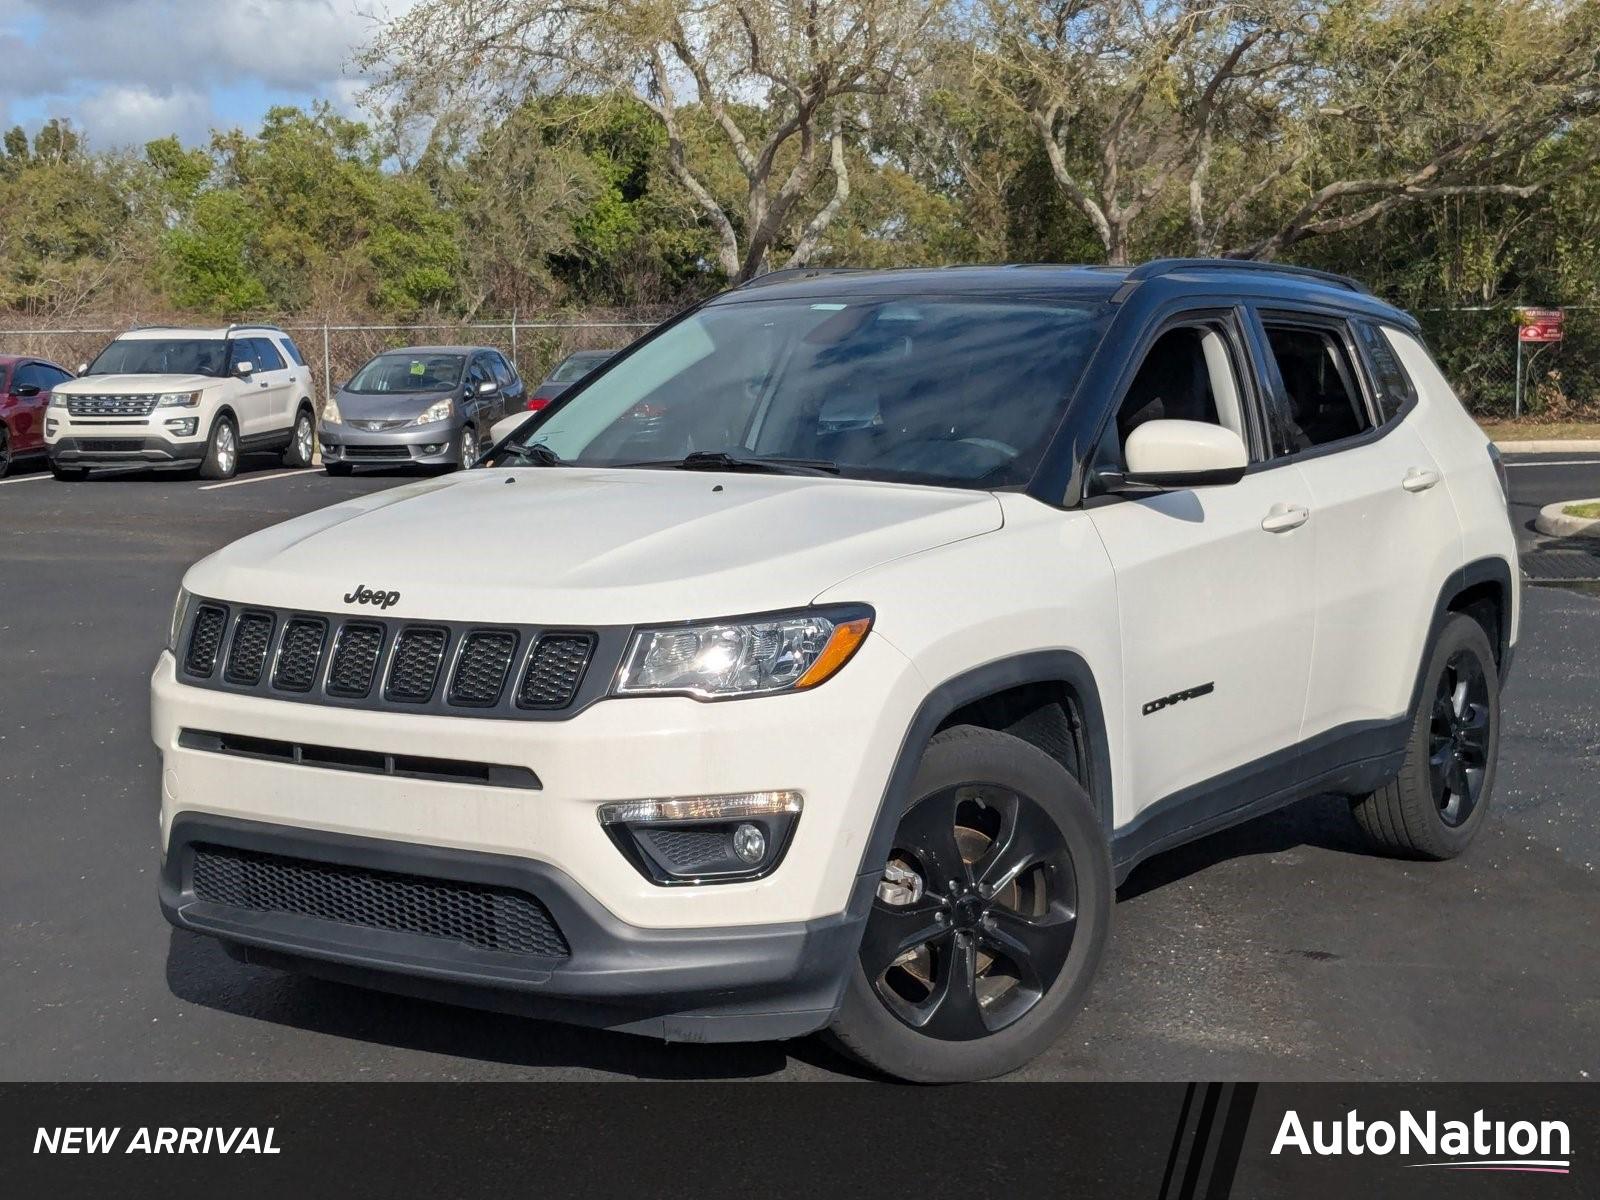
x=302 y=441
x=991 y=918
x=1436 y=805
x=222 y=451
x=5 y=452
x=469 y=446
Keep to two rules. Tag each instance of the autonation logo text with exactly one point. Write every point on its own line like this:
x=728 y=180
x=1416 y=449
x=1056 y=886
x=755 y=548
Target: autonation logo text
x=1476 y=1145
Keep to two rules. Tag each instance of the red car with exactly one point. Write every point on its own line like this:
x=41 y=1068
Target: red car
x=25 y=387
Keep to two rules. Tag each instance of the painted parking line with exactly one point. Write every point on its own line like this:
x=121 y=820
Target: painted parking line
x=211 y=487
x=25 y=479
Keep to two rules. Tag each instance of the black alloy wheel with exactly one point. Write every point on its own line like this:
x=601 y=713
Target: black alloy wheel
x=994 y=921
x=1458 y=747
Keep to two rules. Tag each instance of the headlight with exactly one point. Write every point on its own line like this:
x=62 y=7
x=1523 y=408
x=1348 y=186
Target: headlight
x=330 y=412
x=57 y=400
x=759 y=656
x=178 y=400
x=179 y=607
x=438 y=412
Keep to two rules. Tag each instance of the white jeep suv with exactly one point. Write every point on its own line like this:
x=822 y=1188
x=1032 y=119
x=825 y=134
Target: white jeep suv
x=185 y=399
x=825 y=660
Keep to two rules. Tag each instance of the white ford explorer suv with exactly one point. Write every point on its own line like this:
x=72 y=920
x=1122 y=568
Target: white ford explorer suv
x=825 y=660
x=184 y=399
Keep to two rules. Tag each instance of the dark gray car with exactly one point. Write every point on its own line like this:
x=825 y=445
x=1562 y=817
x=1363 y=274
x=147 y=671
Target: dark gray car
x=423 y=405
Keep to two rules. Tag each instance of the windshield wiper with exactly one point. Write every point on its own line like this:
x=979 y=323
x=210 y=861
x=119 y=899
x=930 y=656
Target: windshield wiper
x=721 y=460
x=539 y=454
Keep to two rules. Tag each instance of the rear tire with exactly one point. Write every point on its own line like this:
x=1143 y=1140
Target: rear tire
x=302 y=441
x=68 y=474
x=957 y=979
x=5 y=452
x=222 y=451
x=1436 y=805
x=337 y=470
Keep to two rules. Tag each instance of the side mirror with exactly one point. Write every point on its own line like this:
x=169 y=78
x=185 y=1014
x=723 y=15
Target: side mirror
x=244 y=368
x=82 y=367
x=1184 y=454
x=488 y=387
x=26 y=390
x=506 y=426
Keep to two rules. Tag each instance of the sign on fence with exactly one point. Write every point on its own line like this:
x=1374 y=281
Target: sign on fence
x=1539 y=324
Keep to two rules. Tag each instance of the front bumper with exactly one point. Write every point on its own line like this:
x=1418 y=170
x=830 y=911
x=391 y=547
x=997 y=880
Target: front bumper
x=435 y=444
x=124 y=451
x=744 y=983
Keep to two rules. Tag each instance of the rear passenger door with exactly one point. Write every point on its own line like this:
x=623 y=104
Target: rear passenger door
x=274 y=372
x=1213 y=591
x=1384 y=528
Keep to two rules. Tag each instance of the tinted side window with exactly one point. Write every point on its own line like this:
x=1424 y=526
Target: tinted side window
x=1322 y=402
x=1174 y=382
x=293 y=351
x=502 y=370
x=54 y=375
x=31 y=373
x=1392 y=384
x=266 y=355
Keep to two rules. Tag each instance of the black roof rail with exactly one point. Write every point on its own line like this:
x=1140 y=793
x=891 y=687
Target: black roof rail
x=1167 y=266
x=785 y=274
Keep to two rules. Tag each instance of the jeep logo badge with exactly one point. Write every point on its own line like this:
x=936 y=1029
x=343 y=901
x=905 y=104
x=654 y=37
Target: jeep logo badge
x=365 y=595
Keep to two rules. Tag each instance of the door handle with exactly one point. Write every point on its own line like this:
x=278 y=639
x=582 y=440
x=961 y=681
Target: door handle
x=1283 y=517
x=1419 y=479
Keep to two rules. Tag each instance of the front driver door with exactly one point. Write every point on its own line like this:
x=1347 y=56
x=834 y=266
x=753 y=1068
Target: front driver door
x=1213 y=589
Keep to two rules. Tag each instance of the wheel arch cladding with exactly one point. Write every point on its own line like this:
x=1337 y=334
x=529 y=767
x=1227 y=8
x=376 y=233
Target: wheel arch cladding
x=1013 y=695
x=1482 y=590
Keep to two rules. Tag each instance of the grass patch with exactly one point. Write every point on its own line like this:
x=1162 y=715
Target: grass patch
x=1535 y=431
x=1589 y=510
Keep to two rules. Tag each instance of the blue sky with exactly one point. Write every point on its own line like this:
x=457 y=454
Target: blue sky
x=126 y=71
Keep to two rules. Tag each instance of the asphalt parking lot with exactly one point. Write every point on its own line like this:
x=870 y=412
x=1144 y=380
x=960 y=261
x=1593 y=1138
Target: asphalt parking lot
x=1280 y=950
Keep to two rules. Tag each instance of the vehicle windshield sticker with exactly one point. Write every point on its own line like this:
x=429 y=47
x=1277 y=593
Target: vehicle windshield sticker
x=827 y=307
x=419 y=368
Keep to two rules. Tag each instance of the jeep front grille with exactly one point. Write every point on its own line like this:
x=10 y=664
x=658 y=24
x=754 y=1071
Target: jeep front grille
x=480 y=673
x=499 y=919
x=299 y=654
x=360 y=661
x=555 y=669
x=355 y=659
x=418 y=653
x=252 y=638
x=111 y=406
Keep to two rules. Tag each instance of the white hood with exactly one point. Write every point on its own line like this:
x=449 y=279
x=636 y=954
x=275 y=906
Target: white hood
x=133 y=385
x=570 y=546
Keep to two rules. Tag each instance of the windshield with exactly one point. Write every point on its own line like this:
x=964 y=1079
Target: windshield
x=963 y=391
x=572 y=369
x=408 y=373
x=161 y=356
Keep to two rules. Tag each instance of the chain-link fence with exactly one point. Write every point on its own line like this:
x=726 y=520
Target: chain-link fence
x=335 y=350
x=1478 y=351
x=1476 y=347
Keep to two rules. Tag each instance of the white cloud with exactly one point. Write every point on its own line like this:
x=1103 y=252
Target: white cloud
x=130 y=116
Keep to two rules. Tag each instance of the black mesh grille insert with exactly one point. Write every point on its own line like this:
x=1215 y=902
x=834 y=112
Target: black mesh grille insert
x=415 y=670
x=481 y=670
x=299 y=654
x=489 y=918
x=252 y=637
x=355 y=659
x=205 y=640
x=555 y=670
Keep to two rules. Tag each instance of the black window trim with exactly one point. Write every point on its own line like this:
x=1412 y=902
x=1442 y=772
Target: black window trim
x=1279 y=312
x=1229 y=321
x=1370 y=368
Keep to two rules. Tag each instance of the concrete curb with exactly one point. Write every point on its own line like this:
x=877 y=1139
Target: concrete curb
x=1552 y=446
x=1555 y=523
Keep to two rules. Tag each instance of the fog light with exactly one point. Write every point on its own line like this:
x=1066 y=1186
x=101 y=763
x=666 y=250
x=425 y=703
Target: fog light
x=184 y=427
x=433 y=448
x=749 y=843
x=704 y=839
x=50 y=427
